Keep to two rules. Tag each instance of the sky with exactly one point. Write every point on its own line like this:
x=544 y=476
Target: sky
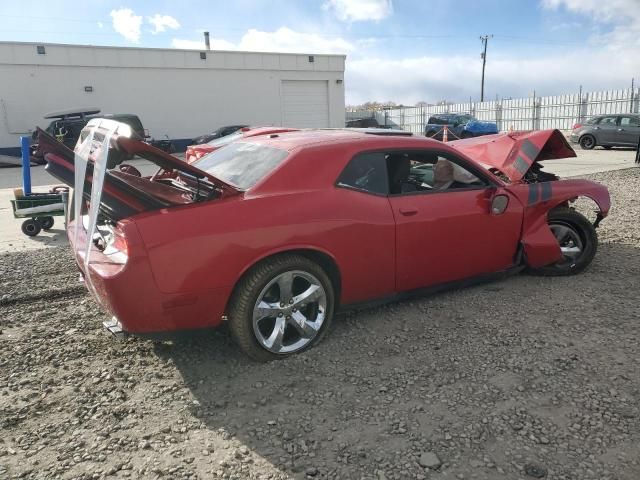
x=403 y=51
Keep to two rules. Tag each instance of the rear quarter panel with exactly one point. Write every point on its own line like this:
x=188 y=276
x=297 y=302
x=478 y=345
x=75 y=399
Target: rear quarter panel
x=211 y=245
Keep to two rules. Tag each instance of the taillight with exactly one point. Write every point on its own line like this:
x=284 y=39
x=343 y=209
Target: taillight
x=198 y=154
x=577 y=126
x=120 y=242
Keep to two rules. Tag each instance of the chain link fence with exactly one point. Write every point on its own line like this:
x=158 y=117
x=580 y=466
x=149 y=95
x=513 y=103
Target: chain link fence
x=532 y=113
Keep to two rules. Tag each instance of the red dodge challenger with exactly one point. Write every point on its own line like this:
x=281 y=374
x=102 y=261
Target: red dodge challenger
x=275 y=233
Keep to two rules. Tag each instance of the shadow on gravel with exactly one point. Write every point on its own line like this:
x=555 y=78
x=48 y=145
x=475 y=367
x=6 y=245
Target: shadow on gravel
x=491 y=378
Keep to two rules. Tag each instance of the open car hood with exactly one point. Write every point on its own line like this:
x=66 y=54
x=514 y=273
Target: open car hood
x=514 y=153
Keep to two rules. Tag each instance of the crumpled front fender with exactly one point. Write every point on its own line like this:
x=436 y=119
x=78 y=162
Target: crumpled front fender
x=540 y=245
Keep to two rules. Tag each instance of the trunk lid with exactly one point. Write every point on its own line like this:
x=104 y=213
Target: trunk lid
x=514 y=153
x=124 y=194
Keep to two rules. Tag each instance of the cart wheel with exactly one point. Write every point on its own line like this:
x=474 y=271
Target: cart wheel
x=45 y=222
x=30 y=227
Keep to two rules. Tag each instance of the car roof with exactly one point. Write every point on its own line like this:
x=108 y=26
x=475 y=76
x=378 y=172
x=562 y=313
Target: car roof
x=301 y=139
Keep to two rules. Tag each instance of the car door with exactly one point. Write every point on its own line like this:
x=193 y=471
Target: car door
x=629 y=130
x=449 y=234
x=606 y=131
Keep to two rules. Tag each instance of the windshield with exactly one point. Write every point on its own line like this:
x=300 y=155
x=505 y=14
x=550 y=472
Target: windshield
x=227 y=139
x=241 y=164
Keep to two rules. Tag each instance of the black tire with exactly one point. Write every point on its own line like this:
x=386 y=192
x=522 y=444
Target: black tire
x=466 y=135
x=247 y=291
x=580 y=225
x=46 y=223
x=587 y=142
x=31 y=228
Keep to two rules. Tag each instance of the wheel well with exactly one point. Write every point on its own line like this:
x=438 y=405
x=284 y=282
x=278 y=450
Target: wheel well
x=325 y=262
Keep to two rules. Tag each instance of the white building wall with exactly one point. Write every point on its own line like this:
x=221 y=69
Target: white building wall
x=174 y=92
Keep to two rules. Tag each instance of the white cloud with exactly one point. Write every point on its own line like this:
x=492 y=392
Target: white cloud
x=600 y=10
x=282 y=40
x=162 y=22
x=622 y=15
x=434 y=78
x=608 y=60
x=127 y=23
x=359 y=10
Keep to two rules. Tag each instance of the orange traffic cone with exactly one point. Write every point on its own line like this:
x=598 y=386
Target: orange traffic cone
x=445 y=136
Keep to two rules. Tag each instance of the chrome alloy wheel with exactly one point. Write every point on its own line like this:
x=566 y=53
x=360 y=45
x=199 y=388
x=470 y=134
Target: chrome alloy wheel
x=569 y=239
x=289 y=312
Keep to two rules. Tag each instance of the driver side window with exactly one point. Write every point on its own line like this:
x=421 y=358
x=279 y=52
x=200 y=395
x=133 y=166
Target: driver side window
x=406 y=172
x=428 y=171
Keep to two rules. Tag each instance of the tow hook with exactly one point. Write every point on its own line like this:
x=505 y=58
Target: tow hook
x=114 y=327
x=599 y=218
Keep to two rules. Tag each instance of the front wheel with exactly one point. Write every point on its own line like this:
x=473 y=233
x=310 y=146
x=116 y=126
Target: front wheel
x=578 y=242
x=281 y=307
x=587 y=142
x=31 y=227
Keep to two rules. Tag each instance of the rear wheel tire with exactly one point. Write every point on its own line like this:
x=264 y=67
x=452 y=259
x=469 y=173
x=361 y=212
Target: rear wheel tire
x=31 y=228
x=587 y=142
x=282 y=306
x=578 y=241
x=466 y=135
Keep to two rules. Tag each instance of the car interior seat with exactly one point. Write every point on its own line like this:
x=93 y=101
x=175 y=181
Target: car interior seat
x=399 y=169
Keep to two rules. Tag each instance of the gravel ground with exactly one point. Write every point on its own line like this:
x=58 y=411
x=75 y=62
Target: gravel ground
x=526 y=378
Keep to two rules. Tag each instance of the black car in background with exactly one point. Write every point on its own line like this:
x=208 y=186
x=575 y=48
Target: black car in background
x=607 y=131
x=67 y=125
x=365 y=123
x=219 y=133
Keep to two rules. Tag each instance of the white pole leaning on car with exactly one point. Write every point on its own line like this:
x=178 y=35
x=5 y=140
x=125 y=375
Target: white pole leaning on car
x=100 y=155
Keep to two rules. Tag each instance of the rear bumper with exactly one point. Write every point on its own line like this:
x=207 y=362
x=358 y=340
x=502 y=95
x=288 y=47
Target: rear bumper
x=129 y=293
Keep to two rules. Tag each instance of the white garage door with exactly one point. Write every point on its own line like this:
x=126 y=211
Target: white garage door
x=305 y=103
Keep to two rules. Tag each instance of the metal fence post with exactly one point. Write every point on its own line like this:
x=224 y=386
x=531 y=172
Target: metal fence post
x=26 y=165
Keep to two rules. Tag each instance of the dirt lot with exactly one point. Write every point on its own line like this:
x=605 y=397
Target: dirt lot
x=525 y=378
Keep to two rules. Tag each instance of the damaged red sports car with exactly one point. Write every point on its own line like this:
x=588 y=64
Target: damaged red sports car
x=276 y=233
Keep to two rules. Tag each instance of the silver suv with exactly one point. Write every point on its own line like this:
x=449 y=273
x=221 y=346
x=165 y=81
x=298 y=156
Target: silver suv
x=607 y=131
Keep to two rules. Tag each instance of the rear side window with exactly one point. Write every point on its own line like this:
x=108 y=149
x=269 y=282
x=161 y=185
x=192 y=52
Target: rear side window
x=241 y=164
x=366 y=172
x=630 y=121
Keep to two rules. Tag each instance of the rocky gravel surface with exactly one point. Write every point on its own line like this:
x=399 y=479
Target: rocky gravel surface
x=525 y=378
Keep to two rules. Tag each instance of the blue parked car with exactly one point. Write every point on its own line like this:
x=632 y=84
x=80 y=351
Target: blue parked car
x=459 y=125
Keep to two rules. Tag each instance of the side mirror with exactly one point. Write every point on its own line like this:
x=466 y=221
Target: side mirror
x=499 y=204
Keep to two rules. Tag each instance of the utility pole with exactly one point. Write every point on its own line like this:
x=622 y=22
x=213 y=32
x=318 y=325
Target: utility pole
x=483 y=55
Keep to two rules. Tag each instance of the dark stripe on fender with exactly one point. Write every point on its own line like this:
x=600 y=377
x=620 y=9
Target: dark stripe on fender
x=533 y=194
x=545 y=193
x=521 y=165
x=530 y=150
